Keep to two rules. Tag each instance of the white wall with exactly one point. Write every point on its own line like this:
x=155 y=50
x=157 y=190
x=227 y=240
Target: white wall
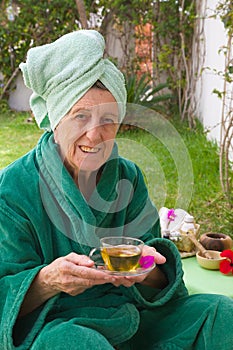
x=19 y=97
x=210 y=106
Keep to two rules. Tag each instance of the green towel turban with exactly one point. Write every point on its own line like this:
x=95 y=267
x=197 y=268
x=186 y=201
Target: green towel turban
x=60 y=73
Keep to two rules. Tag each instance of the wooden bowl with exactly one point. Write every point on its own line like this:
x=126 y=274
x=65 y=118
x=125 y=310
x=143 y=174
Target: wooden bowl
x=216 y=241
x=209 y=264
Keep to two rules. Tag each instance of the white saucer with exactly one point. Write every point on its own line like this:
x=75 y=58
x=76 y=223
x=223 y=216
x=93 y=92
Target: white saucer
x=139 y=271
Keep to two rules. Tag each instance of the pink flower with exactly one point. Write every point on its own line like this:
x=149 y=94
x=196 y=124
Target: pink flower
x=171 y=215
x=226 y=265
x=146 y=261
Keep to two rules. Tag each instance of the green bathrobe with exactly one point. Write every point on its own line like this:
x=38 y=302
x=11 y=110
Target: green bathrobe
x=43 y=216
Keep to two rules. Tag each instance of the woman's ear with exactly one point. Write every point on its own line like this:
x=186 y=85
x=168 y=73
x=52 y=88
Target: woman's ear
x=55 y=136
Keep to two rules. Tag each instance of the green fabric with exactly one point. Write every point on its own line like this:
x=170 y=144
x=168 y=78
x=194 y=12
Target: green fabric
x=195 y=322
x=200 y=280
x=60 y=73
x=40 y=220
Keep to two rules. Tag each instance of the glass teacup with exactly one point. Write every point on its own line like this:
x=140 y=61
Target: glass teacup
x=118 y=253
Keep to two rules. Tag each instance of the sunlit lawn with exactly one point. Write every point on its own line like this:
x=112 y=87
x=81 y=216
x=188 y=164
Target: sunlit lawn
x=17 y=136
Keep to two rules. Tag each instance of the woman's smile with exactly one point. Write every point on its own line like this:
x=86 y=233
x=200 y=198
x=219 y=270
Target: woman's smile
x=87 y=149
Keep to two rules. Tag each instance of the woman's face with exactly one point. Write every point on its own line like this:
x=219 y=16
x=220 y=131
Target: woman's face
x=86 y=134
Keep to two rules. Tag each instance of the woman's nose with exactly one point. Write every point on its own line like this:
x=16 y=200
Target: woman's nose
x=93 y=132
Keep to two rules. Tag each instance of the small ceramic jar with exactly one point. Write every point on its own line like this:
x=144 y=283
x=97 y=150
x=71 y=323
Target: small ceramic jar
x=216 y=241
x=184 y=244
x=188 y=224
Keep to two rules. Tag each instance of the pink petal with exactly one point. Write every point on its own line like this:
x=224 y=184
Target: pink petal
x=171 y=214
x=146 y=261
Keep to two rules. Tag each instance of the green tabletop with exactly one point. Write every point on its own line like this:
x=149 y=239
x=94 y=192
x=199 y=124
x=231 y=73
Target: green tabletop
x=200 y=280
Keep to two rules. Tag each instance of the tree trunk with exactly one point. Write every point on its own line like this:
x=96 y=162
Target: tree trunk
x=82 y=13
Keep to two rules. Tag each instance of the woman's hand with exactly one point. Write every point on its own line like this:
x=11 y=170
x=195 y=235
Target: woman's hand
x=73 y=274
x=154 y=278
x=159 y=259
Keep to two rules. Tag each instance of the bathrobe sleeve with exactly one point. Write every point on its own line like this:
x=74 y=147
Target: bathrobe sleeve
x=20 y=263
x=150 y=298
x=21 y=255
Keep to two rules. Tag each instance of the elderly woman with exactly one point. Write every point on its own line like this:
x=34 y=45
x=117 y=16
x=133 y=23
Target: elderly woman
x=56 y=203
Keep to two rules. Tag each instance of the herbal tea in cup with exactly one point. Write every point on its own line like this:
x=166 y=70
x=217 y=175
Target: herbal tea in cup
x=120 y=253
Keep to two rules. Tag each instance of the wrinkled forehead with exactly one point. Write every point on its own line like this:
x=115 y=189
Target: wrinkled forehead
x=96 y=100
x=95 y=103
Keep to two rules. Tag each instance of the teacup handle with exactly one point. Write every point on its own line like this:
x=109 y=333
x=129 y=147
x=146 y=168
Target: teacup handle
x=97 y=258
x=93 y=251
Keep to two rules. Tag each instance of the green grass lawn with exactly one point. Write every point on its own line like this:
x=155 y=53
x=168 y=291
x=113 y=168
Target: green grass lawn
x=17 y=136
x=171 y=181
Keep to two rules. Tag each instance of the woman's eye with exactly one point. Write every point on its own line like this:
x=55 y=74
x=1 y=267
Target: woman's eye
x=108 y=120
x=81 y=116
